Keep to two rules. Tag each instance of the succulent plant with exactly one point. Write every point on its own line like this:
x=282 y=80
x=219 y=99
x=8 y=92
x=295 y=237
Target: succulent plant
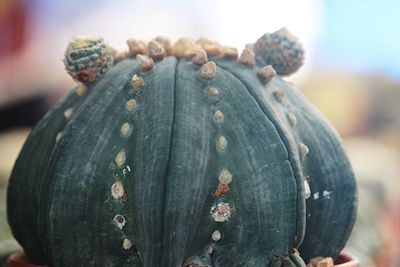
x=182 y=155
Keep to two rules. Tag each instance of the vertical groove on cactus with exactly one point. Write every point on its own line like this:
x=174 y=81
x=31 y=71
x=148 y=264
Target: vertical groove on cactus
x=27 y=194
x=248 y=79
x=81 y=172
x=333 y=179
x=160 y=259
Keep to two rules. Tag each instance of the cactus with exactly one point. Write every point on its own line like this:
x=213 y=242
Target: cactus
x=181 y=155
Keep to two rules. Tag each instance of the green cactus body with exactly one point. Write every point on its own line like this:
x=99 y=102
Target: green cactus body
x=176 y=164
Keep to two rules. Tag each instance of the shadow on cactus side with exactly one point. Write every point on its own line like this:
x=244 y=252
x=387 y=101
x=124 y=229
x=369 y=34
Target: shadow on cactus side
x=182 y=155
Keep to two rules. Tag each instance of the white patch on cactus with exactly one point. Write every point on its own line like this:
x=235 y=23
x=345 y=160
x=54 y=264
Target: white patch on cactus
x=126 y=170
x=292 y=119
x=216 y=235
x=210 y=250
x=221 y=212
x=303 y=150
x=307 y=190
x=120 y=221
x=218 y=116
x=225 y=177
x=130 y=105
x=222 y=143
x=117 y=190
x=120 y=158
x=327 y=194
x=68 y=113
x=126 y=129
x=126 y=244
x=58 y=136
x=81 y=90
x=316 y=195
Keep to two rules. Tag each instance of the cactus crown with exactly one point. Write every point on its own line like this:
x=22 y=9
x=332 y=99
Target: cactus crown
x=182 y=155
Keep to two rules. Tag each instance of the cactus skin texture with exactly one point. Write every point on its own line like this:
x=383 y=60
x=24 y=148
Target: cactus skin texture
x=161 y=161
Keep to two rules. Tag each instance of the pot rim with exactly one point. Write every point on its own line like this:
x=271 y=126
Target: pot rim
x=346 y=260
x=20 y=259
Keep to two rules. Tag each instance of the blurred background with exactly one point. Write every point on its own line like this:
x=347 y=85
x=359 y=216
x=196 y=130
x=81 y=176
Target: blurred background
x=351 y=72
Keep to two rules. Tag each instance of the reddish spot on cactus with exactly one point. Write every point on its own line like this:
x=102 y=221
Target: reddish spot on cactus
x=123 y=198
x=84 y=76
x=221 y=191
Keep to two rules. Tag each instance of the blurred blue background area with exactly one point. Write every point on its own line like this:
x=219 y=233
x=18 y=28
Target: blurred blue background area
x=361 y=36
x=354 y=37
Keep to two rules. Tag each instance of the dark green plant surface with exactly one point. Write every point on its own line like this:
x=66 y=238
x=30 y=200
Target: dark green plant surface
x=171 y=152
x=328 y=171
